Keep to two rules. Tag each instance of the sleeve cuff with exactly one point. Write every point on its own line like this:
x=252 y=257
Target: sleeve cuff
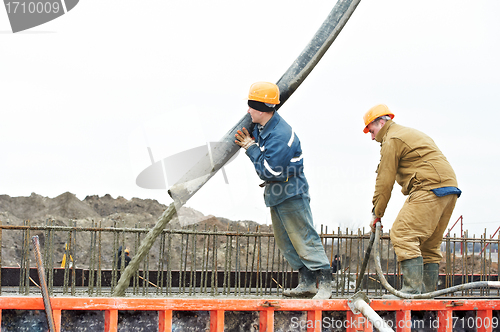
x=253 y=151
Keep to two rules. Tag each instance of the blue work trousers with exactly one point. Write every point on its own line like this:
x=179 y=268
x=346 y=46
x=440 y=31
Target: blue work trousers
x=295 y=235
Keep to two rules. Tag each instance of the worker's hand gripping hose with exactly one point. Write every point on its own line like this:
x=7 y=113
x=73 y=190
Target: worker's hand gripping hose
x=244 y=139
x=374 y=222
x=383 y=281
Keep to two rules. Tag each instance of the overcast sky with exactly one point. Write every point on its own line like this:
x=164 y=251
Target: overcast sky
x=85 y=95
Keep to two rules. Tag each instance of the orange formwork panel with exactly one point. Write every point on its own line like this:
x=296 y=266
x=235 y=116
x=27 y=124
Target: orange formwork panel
x=447 y=318
x=164 y=320
x=217 y=320
x=57 y=319
x=266 y=320
x=111 y=320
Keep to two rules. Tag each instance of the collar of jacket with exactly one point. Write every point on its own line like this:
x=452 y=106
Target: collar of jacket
x=383 y=131
x=270 y=125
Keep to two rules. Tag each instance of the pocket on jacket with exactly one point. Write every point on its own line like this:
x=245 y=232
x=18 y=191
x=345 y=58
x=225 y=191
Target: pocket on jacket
x=430 y=172
x=413 y=182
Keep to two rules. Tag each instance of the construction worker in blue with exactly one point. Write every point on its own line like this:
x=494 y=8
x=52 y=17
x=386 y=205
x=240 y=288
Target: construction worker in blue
x=277 y=156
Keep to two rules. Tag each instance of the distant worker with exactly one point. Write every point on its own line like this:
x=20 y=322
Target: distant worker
x=413 y=160
x=67 y=254
x=336 y=264
x=119 y=258
x=277 y=157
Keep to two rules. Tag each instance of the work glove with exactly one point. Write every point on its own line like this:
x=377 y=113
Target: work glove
x=244 y=139
x=373 y=223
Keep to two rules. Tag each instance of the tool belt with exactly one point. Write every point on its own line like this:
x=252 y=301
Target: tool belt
x=265 y=183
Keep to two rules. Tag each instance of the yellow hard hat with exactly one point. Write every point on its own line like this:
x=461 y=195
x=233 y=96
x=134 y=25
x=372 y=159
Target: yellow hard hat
x=375 y=112
x=265 y=92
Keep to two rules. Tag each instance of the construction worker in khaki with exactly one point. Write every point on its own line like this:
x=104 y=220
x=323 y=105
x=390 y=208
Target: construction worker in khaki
x=277 y=157
x=411 y=158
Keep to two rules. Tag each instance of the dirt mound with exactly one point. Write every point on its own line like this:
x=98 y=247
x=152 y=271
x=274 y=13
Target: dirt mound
x=471 y=264
x=107 y=205
x=67 y=206
x=35 y=207
x=67 y=210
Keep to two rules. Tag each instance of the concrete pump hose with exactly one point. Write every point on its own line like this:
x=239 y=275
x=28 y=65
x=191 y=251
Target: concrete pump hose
x=383 y=281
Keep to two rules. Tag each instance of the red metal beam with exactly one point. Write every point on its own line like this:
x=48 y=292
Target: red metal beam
x=217 y=320
x=217 y=307
x=56 y=314
x=484 y=321
x=266 y=321
x=491 y=237
x=314 y=320
x=190 y=304
x=402 y=319
x=111 y=320
x=445 y=318
x=164 y=320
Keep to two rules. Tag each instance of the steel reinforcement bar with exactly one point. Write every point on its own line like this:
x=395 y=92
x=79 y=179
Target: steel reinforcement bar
x=272 y=314
x=192 y=261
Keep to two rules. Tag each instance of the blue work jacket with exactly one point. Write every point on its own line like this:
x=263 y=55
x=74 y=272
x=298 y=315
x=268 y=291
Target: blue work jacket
x=277 y=158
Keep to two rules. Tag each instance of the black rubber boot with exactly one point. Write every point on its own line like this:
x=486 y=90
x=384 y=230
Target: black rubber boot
x=307 y=284
x=430 y=279
x=324 y=285
x=412 y=277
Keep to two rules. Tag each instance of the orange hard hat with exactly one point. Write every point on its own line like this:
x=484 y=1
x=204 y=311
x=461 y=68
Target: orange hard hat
x=375 y=112
x=265 y=92
x=127 y=251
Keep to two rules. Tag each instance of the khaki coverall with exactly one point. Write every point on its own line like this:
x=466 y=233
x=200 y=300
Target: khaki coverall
x=411 y=158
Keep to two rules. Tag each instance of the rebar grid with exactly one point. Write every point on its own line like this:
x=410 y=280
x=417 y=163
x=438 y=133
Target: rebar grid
x=211 y=262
